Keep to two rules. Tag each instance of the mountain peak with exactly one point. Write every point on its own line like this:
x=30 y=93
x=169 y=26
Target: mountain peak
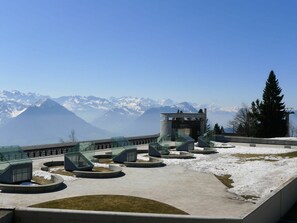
x=46 y=107
x=49 y=103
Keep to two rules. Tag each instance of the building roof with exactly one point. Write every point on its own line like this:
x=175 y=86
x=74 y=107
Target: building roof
x=11 y=155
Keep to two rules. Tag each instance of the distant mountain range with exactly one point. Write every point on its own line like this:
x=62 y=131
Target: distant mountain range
x=48 y=122
x=100 y=117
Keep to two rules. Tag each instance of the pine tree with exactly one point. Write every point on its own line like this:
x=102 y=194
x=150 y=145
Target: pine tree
x=217 y=129
x=270 y=112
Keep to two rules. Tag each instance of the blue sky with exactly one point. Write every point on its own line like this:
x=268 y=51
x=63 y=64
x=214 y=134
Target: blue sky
x=210 y=51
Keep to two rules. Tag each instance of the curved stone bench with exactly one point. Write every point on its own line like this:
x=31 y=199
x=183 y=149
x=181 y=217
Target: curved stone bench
x=13 y=188
x=116 y=171
x=153 y=162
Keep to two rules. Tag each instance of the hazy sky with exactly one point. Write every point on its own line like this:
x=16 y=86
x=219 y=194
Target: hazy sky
x=201 y=51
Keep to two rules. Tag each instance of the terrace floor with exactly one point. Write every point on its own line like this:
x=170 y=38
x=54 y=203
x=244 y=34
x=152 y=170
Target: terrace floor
x=192 y=191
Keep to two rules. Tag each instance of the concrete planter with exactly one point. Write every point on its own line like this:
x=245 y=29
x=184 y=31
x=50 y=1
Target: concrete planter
x=153 y=162
x=12 y=188
x=115 y=171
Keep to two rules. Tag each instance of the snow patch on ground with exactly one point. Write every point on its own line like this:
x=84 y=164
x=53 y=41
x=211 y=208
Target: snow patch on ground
x=47 y=175
x=43 y=174
x=143 y=157
x=285 y=138
x=251 y=177
x=101 y=165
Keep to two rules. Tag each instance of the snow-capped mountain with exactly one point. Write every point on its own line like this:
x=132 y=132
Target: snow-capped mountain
x=12 y=103
x=113 y=114
x=47 y=122
x=89 y=108
x=19 y=97
x=134 y=105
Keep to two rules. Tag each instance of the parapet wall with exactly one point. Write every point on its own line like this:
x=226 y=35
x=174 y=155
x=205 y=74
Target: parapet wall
x=276 y=206
x=24 y=215
x=252 y=140
x=62 y=148
x=6 y=216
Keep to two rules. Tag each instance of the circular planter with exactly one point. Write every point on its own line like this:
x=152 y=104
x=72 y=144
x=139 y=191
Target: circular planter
x=116 y=171
x=12 y=188
x=153 y=162
x=46 y=165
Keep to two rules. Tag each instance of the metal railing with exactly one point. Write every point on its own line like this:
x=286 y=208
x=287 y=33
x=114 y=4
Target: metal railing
x=62 y=148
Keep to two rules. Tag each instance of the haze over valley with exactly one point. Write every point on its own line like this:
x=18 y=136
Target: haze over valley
x=31 y=118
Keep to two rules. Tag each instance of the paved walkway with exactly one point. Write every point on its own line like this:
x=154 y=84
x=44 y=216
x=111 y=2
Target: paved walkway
x=196 y=193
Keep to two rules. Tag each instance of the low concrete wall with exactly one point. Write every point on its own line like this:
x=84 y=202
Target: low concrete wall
x=276 y=206
x=251 y=140
x=6 y=216
x=115 y=171
x=153 y=162
x=62 y=148
x=46 y=165
x=24 y=215
x=289 y=196
x=14 y=188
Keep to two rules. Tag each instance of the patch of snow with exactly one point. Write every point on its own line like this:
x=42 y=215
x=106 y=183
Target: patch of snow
x=67 y=178
x=285 y=138
x=47 y=175
x=53 y=169
x=101 y=165
x=15 y=113
x=143 y=157
x=257 y=178
x=43 y=174
x=221 y=145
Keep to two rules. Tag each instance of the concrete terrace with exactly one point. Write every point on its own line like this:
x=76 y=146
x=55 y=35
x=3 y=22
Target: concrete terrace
x=194 y=192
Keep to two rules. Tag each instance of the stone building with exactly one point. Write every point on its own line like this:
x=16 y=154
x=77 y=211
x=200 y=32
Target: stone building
x=189 y=124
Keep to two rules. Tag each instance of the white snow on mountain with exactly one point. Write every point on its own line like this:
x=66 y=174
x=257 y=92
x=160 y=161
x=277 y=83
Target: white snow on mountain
x=13 y=103
x=15 y=113
x=106 y=111
x=216 y=108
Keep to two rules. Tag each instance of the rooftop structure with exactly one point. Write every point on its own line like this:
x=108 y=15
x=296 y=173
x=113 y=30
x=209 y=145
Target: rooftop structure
x=79 y=157
x=156 y=149
x=15 y=166
x=184 y=143
x=190 y=124
x=122 y=150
